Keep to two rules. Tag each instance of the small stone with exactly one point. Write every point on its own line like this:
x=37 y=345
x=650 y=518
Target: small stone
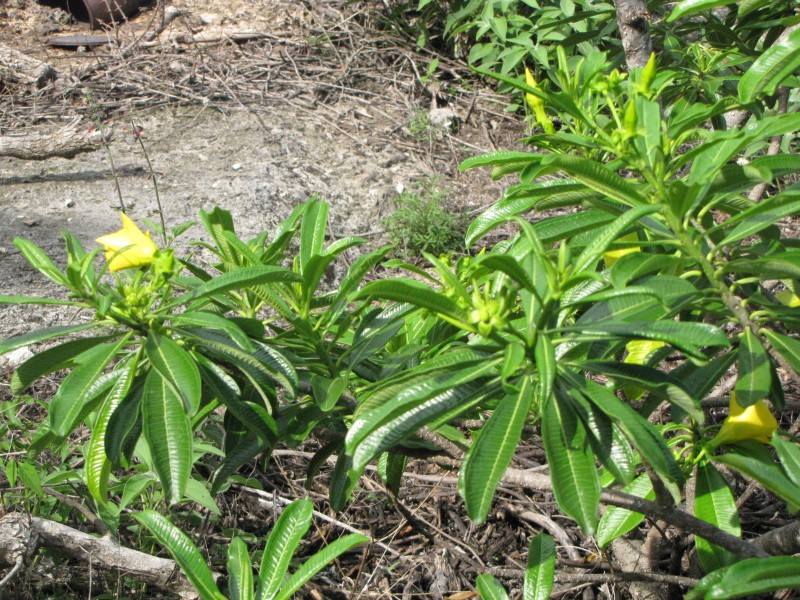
x=236 y=166
x=69 y=203
x=210 y=18
x=30 y=222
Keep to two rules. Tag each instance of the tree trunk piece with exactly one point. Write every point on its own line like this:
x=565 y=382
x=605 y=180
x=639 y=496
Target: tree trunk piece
x=634 y=29
x=67 y=142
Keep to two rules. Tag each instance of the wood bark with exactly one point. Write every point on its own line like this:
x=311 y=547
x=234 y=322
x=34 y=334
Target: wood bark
x=67 y=142
x=21 y=536
x=634 y=29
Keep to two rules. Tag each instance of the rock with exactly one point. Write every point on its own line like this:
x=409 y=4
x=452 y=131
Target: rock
x=443 y=118
x=236 y=166
x=69 y=203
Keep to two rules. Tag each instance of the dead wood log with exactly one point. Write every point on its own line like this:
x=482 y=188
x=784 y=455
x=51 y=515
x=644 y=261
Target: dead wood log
x=67 y=142
x=21 y=536
x=20 y=68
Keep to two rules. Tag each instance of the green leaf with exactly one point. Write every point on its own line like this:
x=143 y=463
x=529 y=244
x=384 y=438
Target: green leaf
x=244 y=277
x=184 y=552
x=209 y=320
x=749 y=578
x=245 y=450
x=490 y=454
x=75 y=391
x=240 y=572
x=413 y=292
x=196 y=491
x=98 y=466
x=688 y=337
x=168 y=432
x=35 y=300
x=327 y=391
x=279 y=366
x=644 y=435
x=714 y=503
x=53 y=359
x=572 y=471
x=663 y=385
x=258 y=367
x=407 y=395
x=312 y=231
x=507 y=208
x=617 y=521
x=787 y=347
x=540 y=568
x=499 y=158
x=755 y=375
x=319 y=561
x=177 y=367
x=547 y=366
x=489 y=588
x=598 y=177
x=775 y=64
x=41 y=335
x=603 y=239
x=40 y=261
x=687 y=8
x=281 y=544
x=761 y=216
x=562 y=227
x=767 y=473
x=789 y=456
x=781 y=265
x=424 y=411
x=505 y=264
x=125 y=426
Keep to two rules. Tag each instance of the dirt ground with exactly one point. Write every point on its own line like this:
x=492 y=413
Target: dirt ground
x=356 y=148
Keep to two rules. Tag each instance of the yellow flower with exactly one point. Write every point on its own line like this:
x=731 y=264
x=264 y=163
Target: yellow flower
x=752 y=423
x=638 y=351
x=613 y=256
x=537 y=104
x=788 y=298
x=129 y=247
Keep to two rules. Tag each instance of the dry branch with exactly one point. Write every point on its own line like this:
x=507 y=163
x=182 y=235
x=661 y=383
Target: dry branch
x=21 y=535
x=67 y=142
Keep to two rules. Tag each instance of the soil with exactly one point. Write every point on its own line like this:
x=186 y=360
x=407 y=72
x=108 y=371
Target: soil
x=257 y=159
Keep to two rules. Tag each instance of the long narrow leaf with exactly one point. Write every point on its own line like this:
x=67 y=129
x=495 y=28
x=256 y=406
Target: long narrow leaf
x=184 y=552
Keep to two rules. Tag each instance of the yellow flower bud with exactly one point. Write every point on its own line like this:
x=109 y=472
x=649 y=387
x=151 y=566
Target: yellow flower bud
x=613 y=256
x=129 y=247
x=752 y=423
x=537 y=105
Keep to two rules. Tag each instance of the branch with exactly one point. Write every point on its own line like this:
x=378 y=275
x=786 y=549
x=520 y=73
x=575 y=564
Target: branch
x=632 y=20
x=537 y=480
x=20 y=536
x=67 y=142
x=783 y=540
x=682 y=520
x=562 y=577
